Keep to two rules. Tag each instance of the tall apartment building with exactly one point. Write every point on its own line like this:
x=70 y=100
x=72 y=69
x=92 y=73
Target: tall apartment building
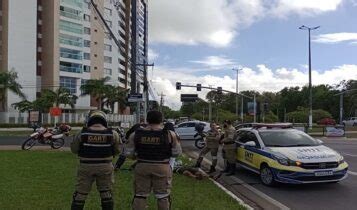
x=63 y=43
x=139 y=51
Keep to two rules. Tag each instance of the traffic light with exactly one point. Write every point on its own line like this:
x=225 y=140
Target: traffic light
x=199 y=87
x=266 y=107
x=178 y=85
x=219 y=90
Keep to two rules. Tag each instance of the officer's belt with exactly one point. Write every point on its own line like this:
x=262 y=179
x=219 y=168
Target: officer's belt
x=153 y=162
x=95 y=161
x=230 y=142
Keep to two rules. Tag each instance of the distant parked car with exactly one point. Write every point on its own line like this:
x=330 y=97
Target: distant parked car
x=350 y=122
x=326 y=121
x=186 y=130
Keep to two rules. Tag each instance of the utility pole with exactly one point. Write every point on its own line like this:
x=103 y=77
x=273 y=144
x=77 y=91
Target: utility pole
x=309 y=29
x=146 y=87
x=237 y=109
x=210 y=108
x=255 y=109
x=162 y=102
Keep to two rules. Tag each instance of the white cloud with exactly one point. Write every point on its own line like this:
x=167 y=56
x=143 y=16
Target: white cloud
x=152 y=55
x=336 y=38
x=210 y=22
x=304 y=7
x=216 y=62
x=217 y=22
x=260 y=79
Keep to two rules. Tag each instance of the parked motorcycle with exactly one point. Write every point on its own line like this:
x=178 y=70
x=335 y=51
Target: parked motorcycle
x=45 y=136
x=200 y=140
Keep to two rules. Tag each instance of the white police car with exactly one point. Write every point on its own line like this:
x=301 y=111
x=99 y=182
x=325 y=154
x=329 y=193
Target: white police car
x=280 y=153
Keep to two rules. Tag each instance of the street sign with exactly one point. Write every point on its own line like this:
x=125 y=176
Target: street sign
x=189 y=97
x=55 y=111
x=137 y=97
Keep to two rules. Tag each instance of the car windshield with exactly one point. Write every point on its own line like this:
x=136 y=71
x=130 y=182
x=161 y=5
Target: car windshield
x=287 y=138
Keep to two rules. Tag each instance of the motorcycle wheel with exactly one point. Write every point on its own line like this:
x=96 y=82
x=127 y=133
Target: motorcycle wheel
x=200 y=143
x=28 y=143
x=57 y=143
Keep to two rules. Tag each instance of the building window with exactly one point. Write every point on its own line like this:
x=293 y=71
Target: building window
x=70 y=67
x=70 y=40
x=86 y=17
x=69 y=53
x=71 y=27
x=83 y=82
x=107 y=47
x=108 y=11
x=108 y=71
x=110 y=24
x=69 y=83
x=122 y=71
x=107 y=59
x=86 y=56
x=86 y=43
x=86 y=30
x=86 y=68
x=70 y=13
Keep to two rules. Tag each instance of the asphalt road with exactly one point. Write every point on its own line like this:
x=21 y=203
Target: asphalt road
x=313 y=196
x=305 y=197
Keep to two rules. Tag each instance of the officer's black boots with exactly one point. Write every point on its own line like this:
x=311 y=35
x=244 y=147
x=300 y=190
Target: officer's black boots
x=107 y=205
x=226 y=170
x=198 y=163
x=212 y=169
x=77 y=206
x=232 y=170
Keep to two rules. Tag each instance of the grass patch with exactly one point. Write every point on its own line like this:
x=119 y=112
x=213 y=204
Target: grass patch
x=45 y=180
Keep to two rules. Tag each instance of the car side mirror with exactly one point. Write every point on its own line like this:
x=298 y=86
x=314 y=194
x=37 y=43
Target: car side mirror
x=250 y=144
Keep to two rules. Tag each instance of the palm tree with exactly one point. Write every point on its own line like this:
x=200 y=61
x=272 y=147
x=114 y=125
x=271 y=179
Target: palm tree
x=23 y=106
x=113 y=95
x=8 y=83
x=97 y=89
x=60 y=96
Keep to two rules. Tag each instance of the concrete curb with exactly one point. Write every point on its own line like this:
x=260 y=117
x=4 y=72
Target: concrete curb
x=274 y=204
x=35 y=148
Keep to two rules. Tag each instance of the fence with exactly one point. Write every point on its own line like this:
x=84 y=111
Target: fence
x=21 y=118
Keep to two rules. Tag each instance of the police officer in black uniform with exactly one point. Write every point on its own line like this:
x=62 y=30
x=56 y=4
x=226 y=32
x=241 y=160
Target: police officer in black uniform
x=96 y=145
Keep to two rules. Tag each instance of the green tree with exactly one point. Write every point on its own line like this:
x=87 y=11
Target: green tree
x=96 y=88
x=114 y=95
x=59 y=96
x=8 y=83
x=23 y=106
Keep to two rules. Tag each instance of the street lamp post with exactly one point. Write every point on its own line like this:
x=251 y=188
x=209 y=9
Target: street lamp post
x=309 y=29
x=237 y=109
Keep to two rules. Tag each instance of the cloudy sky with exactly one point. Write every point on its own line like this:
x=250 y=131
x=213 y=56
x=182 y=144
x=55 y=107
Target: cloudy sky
x=201 y=41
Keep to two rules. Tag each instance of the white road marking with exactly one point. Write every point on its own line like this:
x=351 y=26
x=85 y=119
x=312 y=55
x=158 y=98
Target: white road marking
x=352 y=173
x=346 y=154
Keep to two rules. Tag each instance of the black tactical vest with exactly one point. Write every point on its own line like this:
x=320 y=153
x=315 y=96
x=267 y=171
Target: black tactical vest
x=152 y=145
x=96 y=144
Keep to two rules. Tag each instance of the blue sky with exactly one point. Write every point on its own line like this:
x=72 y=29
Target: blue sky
x=260 y=36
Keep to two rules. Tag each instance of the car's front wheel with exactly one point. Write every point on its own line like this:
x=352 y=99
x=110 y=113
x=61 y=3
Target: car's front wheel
x=267 y=176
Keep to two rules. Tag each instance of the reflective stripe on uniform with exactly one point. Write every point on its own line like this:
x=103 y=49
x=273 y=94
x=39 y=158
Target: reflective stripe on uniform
x=160 y=196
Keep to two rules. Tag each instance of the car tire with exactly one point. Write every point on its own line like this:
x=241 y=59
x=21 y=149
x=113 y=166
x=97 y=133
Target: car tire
x=267 y=176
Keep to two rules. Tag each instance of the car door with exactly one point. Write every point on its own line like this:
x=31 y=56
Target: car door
x=246 y=154
x=181 y=130
x=191 y=131
x=242 y=138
